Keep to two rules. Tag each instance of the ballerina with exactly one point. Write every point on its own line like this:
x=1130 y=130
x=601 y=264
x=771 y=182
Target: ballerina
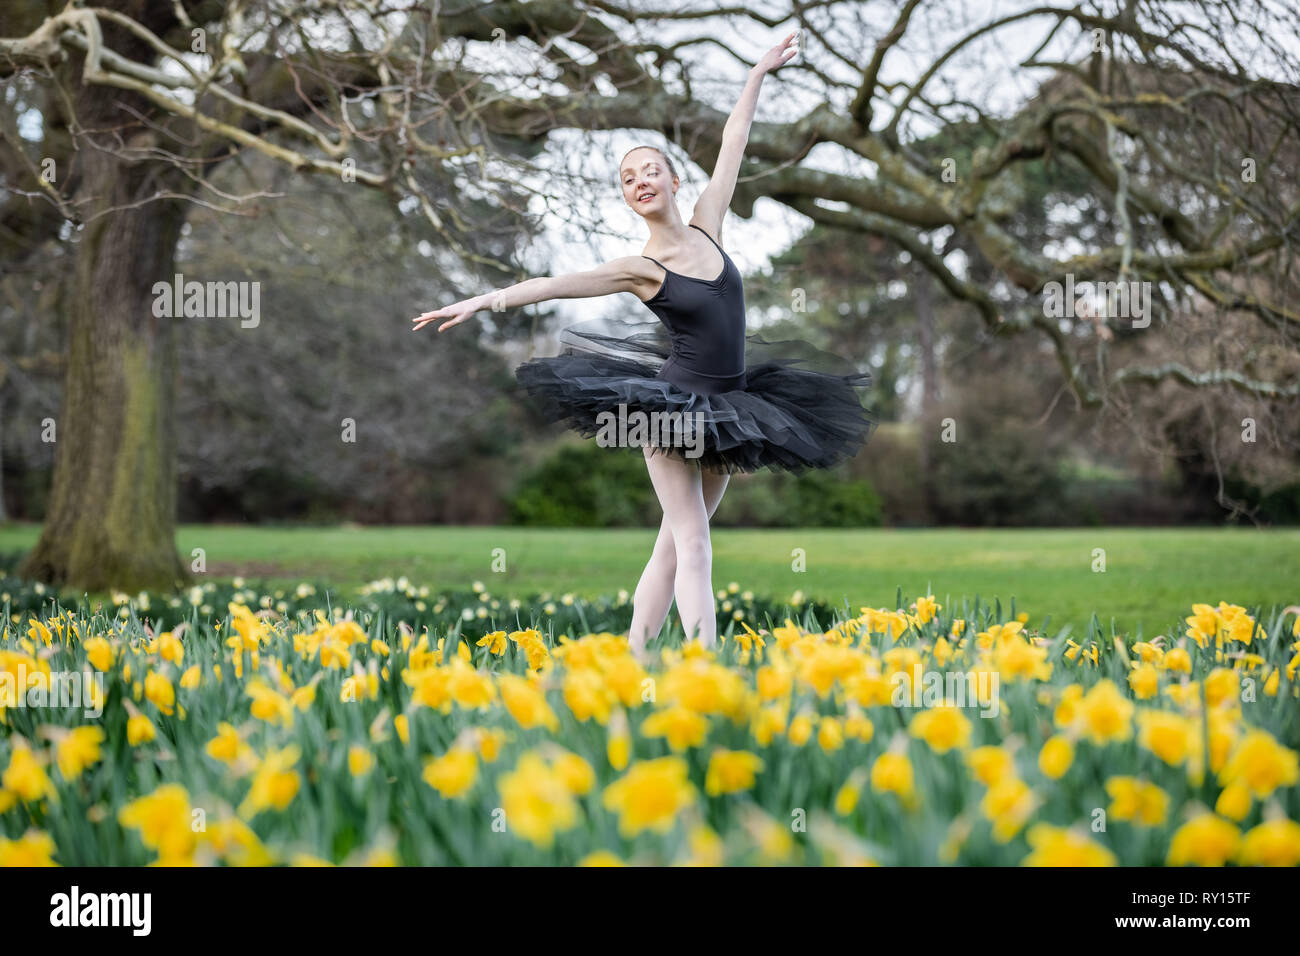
x=745 y=407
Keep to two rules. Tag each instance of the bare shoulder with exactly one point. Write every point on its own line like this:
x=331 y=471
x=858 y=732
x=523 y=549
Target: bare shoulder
x=642 y=276
x=635 y=266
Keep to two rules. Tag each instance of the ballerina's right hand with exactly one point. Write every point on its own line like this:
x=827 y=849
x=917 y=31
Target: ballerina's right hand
x=455 y=314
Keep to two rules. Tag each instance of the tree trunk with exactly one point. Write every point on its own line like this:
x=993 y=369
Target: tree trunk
x=4 y=515
x=923 y=301
x=112 y=513
x=924 y=305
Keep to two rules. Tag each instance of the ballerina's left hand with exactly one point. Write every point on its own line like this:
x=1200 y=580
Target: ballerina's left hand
x=779 y=55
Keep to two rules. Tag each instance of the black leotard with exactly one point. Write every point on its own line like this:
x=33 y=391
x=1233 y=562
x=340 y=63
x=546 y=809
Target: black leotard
x=759 y=404
x=705 y=319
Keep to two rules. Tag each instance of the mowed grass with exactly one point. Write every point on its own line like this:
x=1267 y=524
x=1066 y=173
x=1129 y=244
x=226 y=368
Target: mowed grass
x=1151 y=577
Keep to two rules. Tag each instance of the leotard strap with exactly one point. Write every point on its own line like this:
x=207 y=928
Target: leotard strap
x=707 y=236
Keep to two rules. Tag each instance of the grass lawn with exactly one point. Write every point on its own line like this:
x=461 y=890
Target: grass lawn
x=1151 y=577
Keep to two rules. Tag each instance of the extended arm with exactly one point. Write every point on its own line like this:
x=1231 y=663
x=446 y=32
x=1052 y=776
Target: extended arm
x=713 y=202
x=625 y=274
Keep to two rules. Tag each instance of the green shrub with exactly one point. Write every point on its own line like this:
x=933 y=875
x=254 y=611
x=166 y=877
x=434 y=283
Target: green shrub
x=584 y=485
x=1000 y=475
x=815 y=499
x=1276 y=506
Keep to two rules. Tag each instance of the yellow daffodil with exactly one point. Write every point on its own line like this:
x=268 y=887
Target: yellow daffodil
x=943 y=728
x=1205 y=840
x=33 y=848
x=1104 y=714
x=650 y=796
x=990 y=764
x=77 y=750
x=1136 y=801
x=1272 y=843
x=892 y=773
x=1055 y=846
x=275 y=782
x=537 y=801
x=25 y=776
x=164 y=820
x=731 y=771
x=1055 y=757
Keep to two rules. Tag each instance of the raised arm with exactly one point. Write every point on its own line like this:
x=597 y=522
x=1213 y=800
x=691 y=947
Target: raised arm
x=713 y=202
x=634 y=274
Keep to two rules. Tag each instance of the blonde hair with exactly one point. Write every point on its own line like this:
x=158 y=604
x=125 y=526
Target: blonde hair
x=672 y=171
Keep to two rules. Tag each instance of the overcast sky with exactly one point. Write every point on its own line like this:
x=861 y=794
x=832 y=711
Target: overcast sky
x=985 y=72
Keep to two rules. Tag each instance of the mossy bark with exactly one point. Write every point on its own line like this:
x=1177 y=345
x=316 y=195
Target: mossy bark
x=112 y=514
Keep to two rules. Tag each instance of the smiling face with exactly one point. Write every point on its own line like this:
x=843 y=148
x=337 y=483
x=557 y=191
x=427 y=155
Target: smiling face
x=648 y=183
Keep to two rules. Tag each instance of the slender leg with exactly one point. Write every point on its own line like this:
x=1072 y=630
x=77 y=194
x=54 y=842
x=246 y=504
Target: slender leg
x=654 y=591
x=679 y=487
x=714 y=486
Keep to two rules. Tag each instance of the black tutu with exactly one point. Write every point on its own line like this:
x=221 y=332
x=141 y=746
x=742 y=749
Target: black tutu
x=800 y=408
